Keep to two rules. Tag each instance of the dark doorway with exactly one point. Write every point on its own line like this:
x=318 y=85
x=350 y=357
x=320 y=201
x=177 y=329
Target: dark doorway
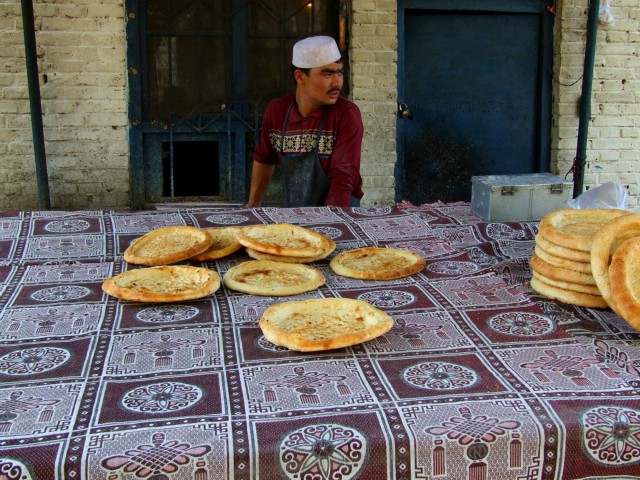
x=475 y=79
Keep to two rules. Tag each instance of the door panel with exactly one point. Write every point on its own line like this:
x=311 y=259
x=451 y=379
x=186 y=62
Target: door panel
x=179 y=84
x=471 y=80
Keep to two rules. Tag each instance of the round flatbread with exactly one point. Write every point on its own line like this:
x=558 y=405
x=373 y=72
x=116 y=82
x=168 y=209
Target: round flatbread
x=562 y=252
x=224 y=243
x=166 y=283
x=167 y=245
x=567 y=296
x=287 y=259
x=323 y=324
x=575 y=227
x=266 y=277
x=561 y=274
x=624 y=275
x=375 y=263
x=284 y=239
x=582 y=267
x=605 y=242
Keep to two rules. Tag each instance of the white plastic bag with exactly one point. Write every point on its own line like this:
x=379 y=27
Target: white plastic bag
x=605 y=17
x=607 y=195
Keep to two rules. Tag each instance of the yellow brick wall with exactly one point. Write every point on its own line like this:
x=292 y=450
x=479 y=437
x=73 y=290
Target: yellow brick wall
x=613 y=145
x=374 y=58
x=82 y=70
x=81 y=49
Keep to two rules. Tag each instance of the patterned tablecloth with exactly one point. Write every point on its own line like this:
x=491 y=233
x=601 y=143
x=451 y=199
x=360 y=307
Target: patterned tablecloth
x=480 y=378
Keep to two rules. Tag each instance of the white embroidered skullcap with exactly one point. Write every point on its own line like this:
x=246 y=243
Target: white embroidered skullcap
x=315 y=52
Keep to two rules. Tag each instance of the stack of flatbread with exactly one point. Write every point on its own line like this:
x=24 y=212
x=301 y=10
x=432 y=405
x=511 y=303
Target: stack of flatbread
x=283 y=242
x=591 y=258
x=561 y=262
x=162 y=282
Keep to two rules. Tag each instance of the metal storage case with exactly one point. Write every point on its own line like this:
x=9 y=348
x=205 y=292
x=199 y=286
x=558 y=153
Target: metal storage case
x=520 y=197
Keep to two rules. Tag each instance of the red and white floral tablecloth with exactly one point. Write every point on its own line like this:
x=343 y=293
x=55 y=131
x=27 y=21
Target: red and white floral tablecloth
x=480 y=378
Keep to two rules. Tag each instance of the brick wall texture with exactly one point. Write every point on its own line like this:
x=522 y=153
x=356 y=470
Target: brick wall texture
x=81 y=49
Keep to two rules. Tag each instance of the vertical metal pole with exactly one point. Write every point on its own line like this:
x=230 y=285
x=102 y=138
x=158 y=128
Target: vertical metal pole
x=34 y=101
x=343 y=22
x=585 y=99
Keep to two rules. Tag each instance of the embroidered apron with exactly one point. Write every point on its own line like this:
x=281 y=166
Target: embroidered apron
x=305 y=182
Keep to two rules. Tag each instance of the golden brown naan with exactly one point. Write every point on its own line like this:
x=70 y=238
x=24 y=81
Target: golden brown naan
x=624 y=275
x=575 y=287
x=375 y=263
x=284 y=239
x=266 y=277
x=605 y=242
x=575 y=227
x=166 y=283
x=583 y=267
x=562 y=252
x=167 y=245
x=567 y=296
x=562 y=274
x=288 y=259
x=224 y=242
x=323 y=324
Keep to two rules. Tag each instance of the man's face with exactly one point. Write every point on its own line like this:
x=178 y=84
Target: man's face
x=323 y=84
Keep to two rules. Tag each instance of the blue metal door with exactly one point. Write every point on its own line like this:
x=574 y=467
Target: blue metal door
x=474 y=94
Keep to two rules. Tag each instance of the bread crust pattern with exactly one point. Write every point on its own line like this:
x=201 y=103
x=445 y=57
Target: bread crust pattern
x=167 y=245
x=269 y=278
x=164 y=283
x=574 y=227
x=323 y=324
x=624 y=273
x=224 y=242
x=375 y=263
x=605 y=242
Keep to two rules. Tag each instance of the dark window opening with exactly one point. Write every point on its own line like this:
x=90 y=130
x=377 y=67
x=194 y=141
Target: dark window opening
x=194 y=171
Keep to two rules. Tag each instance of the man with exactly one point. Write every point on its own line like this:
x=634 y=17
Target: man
x=314 y=133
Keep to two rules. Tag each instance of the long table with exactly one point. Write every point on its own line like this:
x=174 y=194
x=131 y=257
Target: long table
x=480 y=377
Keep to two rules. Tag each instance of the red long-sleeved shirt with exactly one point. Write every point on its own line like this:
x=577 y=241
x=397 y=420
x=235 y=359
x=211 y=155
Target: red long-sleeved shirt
x=339 y=147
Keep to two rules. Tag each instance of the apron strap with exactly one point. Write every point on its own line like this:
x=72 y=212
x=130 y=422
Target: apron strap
x=284 y=128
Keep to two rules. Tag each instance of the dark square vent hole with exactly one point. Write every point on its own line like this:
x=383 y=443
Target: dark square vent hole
x=196 y=169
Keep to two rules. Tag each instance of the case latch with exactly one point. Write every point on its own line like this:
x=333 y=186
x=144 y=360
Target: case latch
x=556 y=189
x=508 y=190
